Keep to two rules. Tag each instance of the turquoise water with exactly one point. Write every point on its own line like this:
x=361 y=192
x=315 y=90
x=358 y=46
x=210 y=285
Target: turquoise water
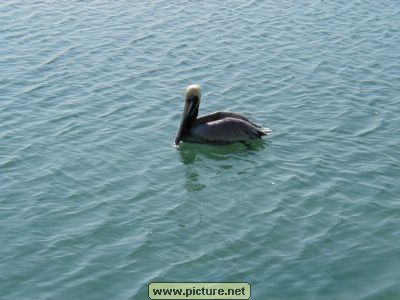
x=96 y=203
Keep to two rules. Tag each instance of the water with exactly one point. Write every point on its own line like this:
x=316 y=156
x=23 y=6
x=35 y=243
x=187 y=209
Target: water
x=95 y=203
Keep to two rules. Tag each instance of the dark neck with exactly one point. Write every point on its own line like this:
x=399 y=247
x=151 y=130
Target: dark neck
x=192 y=118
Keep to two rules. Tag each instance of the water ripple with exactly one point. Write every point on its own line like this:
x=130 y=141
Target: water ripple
x=95 y=201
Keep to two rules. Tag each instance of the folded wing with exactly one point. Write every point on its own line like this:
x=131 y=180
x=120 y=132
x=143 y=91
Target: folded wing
x=226 y=130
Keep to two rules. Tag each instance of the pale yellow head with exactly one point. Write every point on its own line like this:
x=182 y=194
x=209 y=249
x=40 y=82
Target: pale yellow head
x=193 y=91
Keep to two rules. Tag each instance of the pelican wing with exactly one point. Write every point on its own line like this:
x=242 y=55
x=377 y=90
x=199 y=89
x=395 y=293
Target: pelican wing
x=219 y=115
x=226 y=130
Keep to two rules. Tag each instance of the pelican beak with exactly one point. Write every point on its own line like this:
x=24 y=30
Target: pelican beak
x=185 y=114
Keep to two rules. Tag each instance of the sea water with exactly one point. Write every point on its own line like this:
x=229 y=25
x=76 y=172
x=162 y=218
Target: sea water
x=96 y=203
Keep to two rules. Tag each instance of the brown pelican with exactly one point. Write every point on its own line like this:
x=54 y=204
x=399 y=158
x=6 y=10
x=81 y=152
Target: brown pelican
x=219 y=128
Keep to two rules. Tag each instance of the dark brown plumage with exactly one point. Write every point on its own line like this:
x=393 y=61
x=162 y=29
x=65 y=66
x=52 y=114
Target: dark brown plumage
x=219 y=127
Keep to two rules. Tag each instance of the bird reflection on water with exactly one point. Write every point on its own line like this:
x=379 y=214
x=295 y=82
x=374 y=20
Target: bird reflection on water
x=216 y=159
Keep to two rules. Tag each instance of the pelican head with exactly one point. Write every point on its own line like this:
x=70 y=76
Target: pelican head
x=192 y=91
x=191 y=109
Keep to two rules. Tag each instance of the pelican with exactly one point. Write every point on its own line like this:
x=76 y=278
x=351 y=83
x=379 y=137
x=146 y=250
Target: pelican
x=216 y=128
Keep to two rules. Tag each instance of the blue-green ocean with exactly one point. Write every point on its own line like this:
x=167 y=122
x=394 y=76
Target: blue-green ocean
x=96 y=203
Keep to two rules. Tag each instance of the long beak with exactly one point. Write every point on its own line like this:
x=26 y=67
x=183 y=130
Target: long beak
x=185 y=114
